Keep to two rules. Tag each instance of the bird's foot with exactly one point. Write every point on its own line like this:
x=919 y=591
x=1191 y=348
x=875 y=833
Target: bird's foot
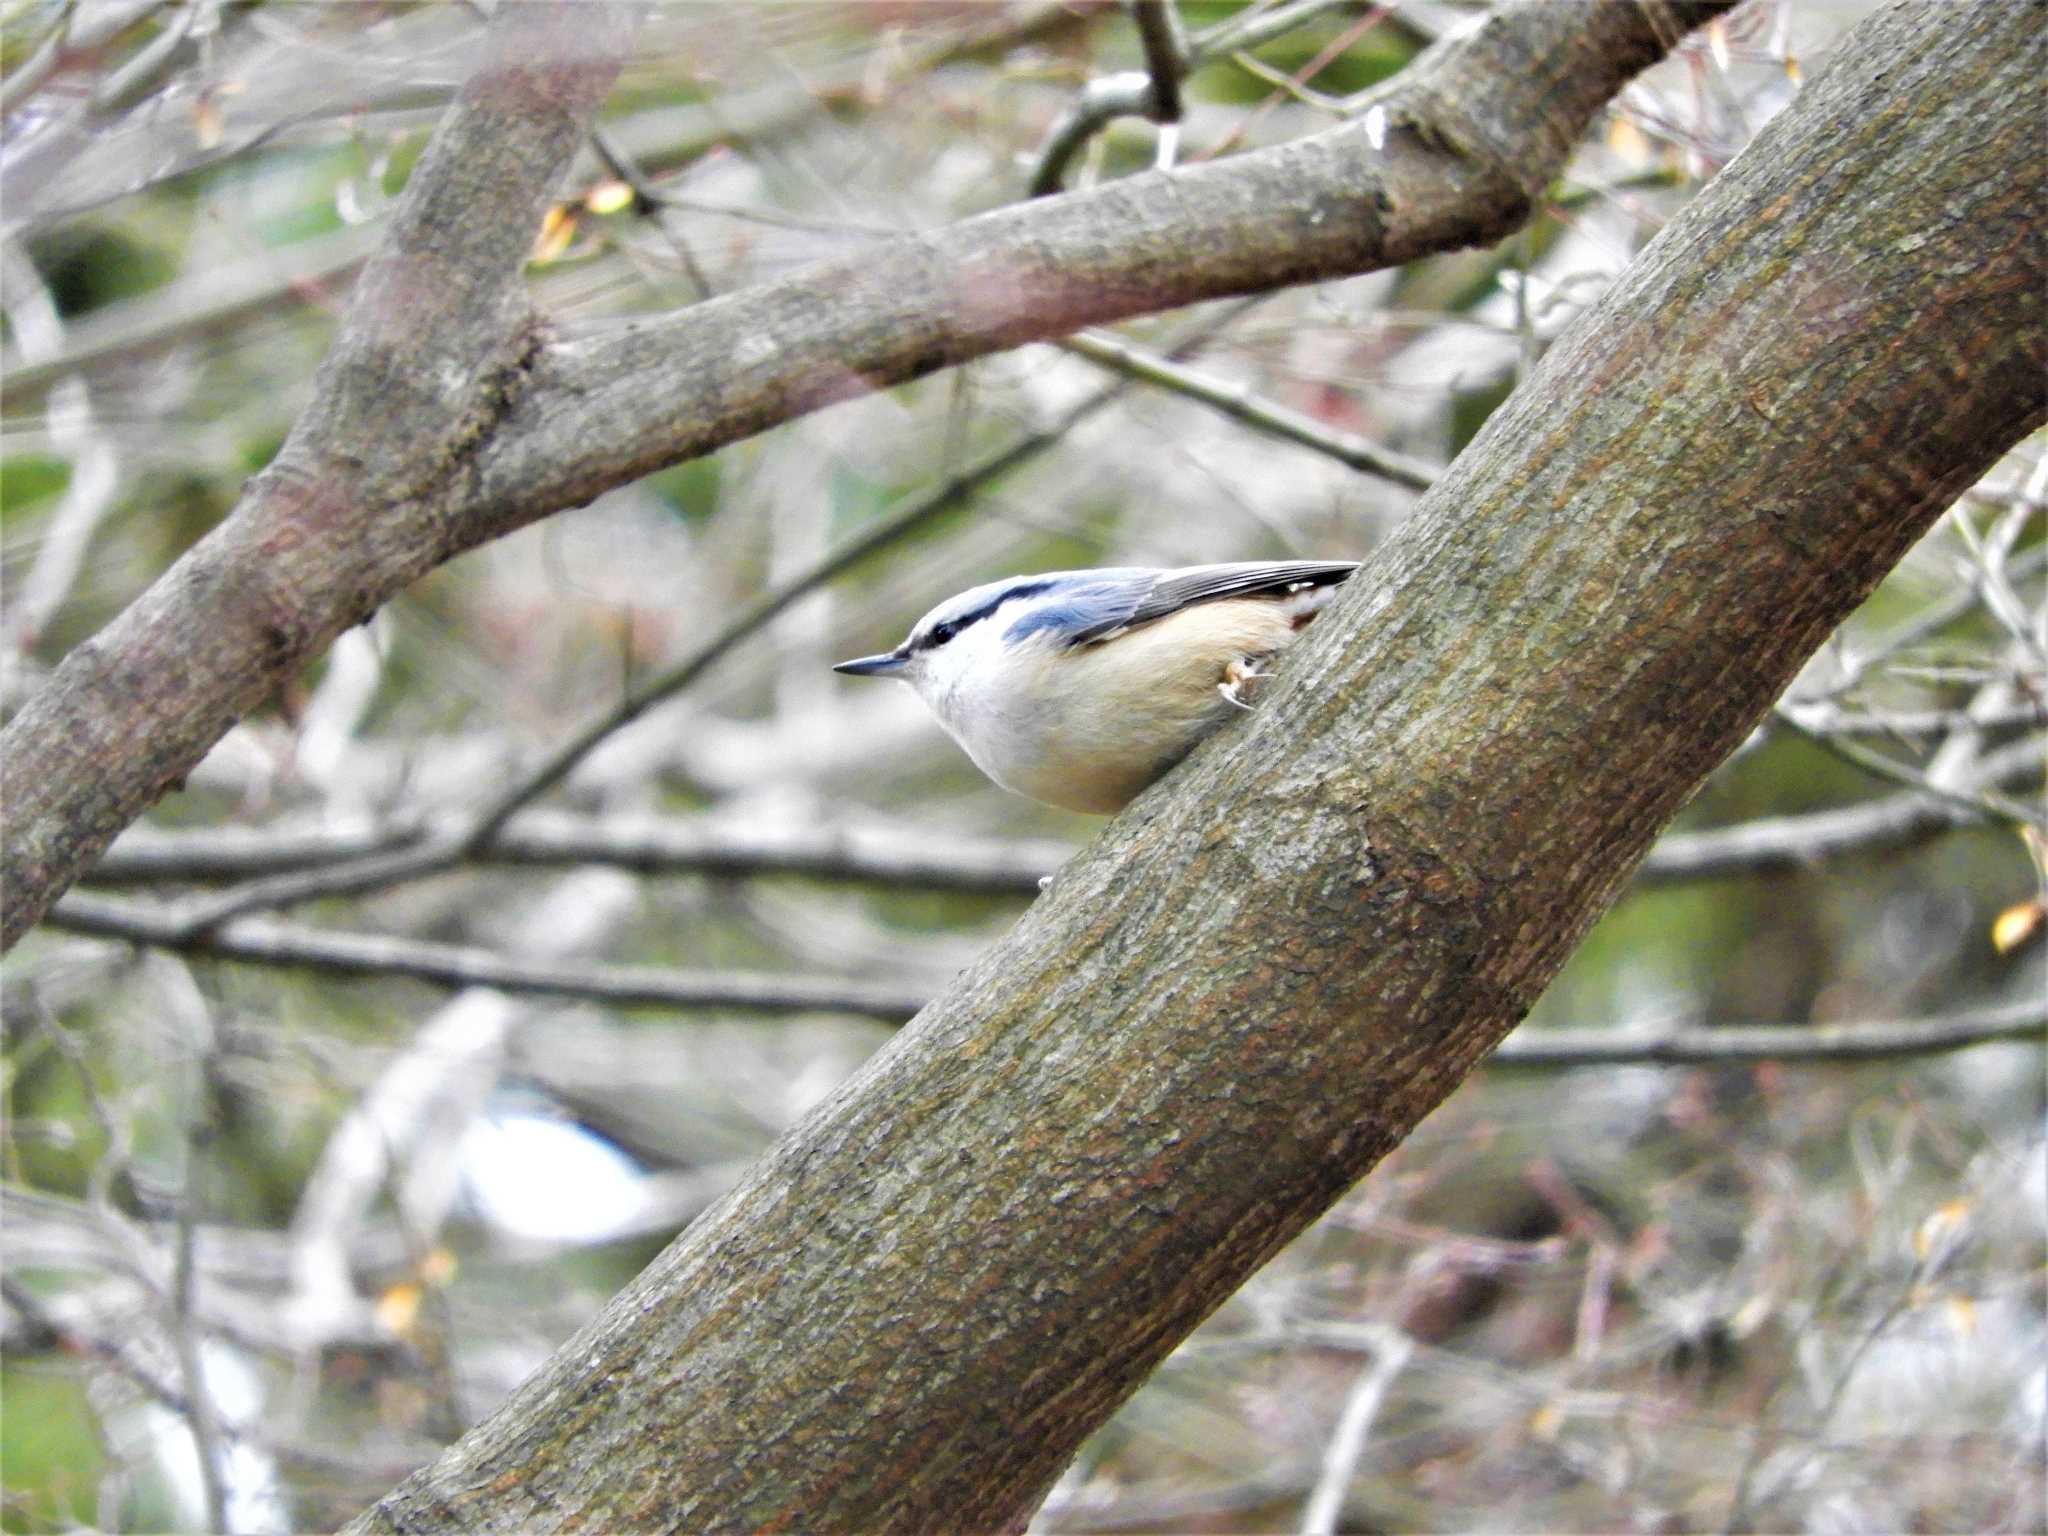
x=1239 y=679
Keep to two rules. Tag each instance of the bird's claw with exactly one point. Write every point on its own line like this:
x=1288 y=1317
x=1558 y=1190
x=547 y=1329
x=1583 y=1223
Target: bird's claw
x=1238 y=677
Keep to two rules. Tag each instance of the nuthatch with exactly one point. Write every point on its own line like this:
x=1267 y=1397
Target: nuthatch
x=1079 y=688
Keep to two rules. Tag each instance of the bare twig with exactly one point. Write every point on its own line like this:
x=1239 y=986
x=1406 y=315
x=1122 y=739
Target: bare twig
x=1784 y=842
x=116 y=1353
x=1281 y=81
x=1166 y=54
x=1989 y=555
x=622 y=165
x=888 y=854
x=1832 y=720
x=1983 y=802
x=95 y=468
x=1353 y=1429
x=42 y=1325
x=1762 y=1436
x=1877 y=1039
x=201 y=1416
x=1135 y=93
x=1920 y=625
x=27 y=77
x=1240 y=404
x=138 y=75
x=1252 y=28
x=356 y=954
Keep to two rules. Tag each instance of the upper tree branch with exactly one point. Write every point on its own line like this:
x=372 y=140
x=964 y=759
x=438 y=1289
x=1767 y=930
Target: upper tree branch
x=1480 y=126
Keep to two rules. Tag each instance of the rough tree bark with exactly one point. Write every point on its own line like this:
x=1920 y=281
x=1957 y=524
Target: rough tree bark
x=1271 y=967
x=478 y=422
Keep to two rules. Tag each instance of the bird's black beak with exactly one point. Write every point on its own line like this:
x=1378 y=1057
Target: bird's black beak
x=884 y=665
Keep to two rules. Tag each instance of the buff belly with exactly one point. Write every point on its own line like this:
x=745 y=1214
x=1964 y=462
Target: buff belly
x=1108 y=719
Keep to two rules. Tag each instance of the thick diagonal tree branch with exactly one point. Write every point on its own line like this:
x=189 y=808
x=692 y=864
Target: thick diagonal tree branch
x=514 y=426
x=1275 y=963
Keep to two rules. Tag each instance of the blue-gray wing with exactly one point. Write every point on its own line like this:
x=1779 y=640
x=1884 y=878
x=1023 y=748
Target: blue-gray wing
x=1170 y=591
x=1078 y=606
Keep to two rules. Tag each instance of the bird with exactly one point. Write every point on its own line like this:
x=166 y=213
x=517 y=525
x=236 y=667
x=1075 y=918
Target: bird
x=1079 y=689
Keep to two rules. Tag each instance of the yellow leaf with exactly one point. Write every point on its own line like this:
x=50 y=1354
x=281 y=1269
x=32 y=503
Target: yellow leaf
x=438 y=1267
x=2016 y=925
x=608 y=197
x=1941 y=1227
x=399 y=1307
x=1750 y=1316
x=1628 y=141
x=1793 y=72
x=556 y=231
x=1962 y=1316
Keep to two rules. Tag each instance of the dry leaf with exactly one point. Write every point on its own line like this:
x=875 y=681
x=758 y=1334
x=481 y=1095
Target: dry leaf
x=556 y=231
x=399 y=1307
x=2015 y=925
x=608 y=197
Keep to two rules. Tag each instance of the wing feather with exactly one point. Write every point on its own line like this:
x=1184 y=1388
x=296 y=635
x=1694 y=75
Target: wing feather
x=1183 y=588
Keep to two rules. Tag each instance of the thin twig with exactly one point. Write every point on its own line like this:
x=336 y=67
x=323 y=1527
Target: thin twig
x=359 y=954
x=1742 y=1044
x=1993 y=583
x=1166 y=55
x=1778 y=842
x=1240 y=404
x=1254 y=28
x=1281 y=81
x=114 y=1352
x=1348 y=1439
x=621 y=165
x=381 y=1467
x=27 y=77
x=1924 y=622
x=1984 y=802
x=1761 y=1439
x=1832 y=720
x=135 y=78
x=890 y=854
x=1135 y=93
x=201 y=1418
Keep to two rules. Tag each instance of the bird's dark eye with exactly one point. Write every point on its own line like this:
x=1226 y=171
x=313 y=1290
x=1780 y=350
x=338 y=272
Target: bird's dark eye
x=941 y=633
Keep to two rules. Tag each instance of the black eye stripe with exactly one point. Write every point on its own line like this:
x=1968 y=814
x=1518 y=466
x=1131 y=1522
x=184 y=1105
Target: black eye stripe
x=948 y=629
